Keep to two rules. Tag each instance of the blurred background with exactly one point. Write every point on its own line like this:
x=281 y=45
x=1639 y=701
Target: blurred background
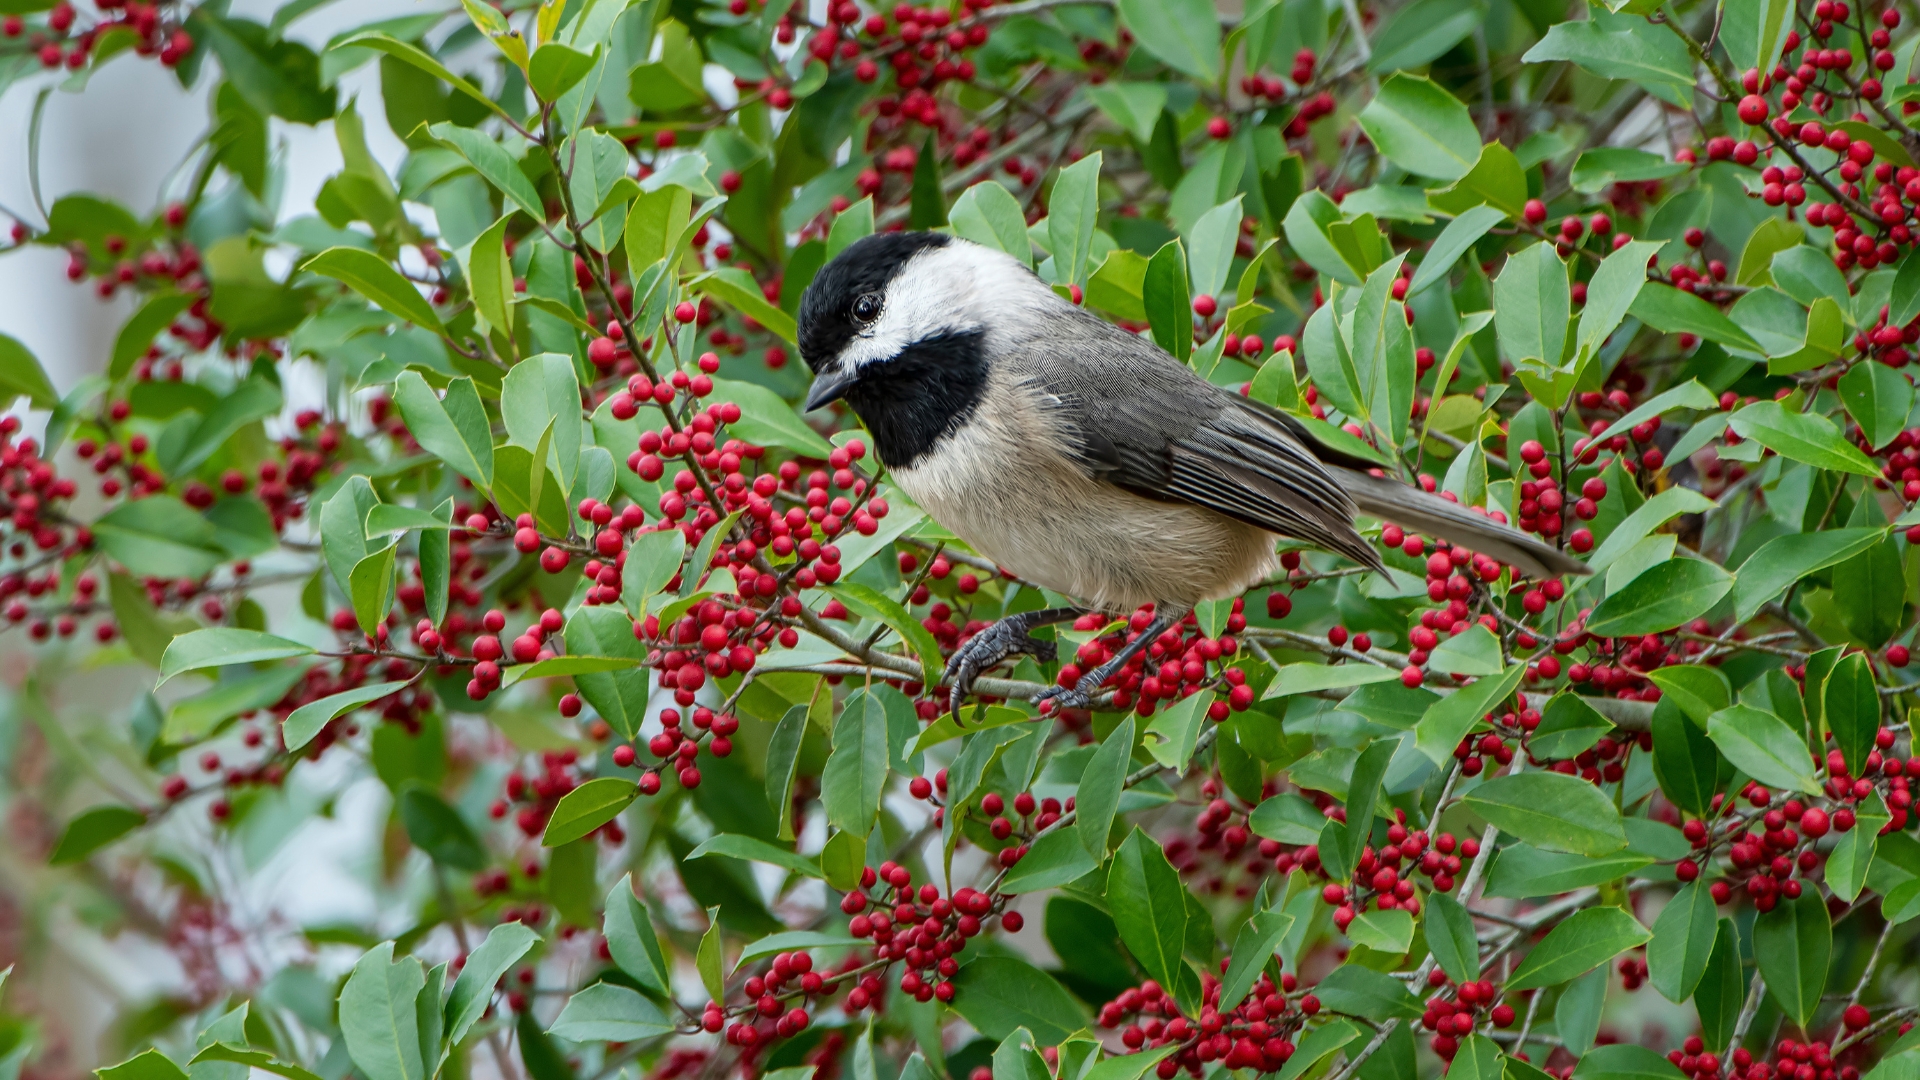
x=87 y=955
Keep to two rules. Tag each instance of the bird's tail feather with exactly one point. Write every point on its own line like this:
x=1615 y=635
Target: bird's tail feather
x=1411 y=508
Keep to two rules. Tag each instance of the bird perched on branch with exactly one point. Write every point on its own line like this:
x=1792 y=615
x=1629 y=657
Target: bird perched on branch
x=1084 y=458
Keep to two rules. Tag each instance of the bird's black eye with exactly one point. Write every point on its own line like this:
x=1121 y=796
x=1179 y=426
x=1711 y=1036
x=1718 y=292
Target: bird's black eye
x=866 y=307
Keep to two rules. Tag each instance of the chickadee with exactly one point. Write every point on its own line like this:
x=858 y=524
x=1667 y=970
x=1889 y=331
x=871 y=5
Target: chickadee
x=1081 y=457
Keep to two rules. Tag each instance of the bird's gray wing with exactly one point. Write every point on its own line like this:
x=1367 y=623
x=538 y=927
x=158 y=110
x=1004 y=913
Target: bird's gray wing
x=1142 y=421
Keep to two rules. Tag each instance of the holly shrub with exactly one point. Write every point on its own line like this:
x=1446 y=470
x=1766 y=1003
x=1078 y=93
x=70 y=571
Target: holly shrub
x=483 y=487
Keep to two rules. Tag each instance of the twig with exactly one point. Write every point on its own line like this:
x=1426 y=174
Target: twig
x=1755 y=991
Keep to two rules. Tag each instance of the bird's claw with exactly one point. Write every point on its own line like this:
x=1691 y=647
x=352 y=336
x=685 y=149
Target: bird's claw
x=1060 y=697
x=1008 y=637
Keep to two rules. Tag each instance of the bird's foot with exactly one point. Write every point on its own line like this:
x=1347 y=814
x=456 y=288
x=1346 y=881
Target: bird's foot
x=1008 y=637
x=1056 y=698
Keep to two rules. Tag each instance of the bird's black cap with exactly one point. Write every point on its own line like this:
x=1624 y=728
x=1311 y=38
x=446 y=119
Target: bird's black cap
x=866 y=266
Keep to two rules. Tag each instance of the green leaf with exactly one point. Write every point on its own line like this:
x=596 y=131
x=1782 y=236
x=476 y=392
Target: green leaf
x=997 y=994
x=1682 y=941
x=1670 y=594
x=856 y=772
x=1870 y=592
x=1320 y=1043
x=586 y=808
x=783 y=760
x=558 y=666
x=1852 y=858
x=1422 y=32
x=255 y=399
x=851 y=224
x=767 y=420
x=1288 y=819
x=1475 y=652
x=201 y=716
x=1531 y=306
x=438 y=829
x=276 y=76
x=1583 y=941
x=149 y=1065
x=540 y=398
x=791 y=940
x=1176 y=730
x=419 y=58
x=370 y=276
x=1363 y=794
x=1149 y=906
x=1878 y=398
x=655 y=223
x=455 y=430
x=1183 y=34
x=160 y=536
x=1656 y=61
x=222 y=646
x=1784 y=560
x=490 y=278
x=707 y=959
x=343 y=534
x=870 y=603
x=1422 y=128
x=1685 y=762
x=371 y=586
x=378 y=1017
x=1697 y=691
x=926 y=203
x=1359 y=991
x=1551 y=810
x=1651 y=514
x=1101 y=785
x=252 y=1059
x=486 y=964
x=1688 y=395
x=989 y=215
x=1793 y=944
x=1134 y=106
x=1623 y=1061
x=1450 y=936
x=1671 y=311
x=1386 y=932
x=756 y=850
x=608 y=1012
x=1253 y=946
x=1312 y=678
x=1212 y=242
x=653 y=559
x=1071 y=211
x=620 y=697
x=494 y=164
x=1320 y=234
x=1603 y=166
x=93 y=830
x=1458 y=238
x=306 y=721
x=737 y=289
x=632 y=941
x=1851 y=704
x=1448 y=720
x=1053 y=860
x=1718 y=998
x=1761 y=745
x=555 y=69
x=1804 y=437
x=1164 y=294
x=136 y=334
x=1382 y=348
x=22 y=376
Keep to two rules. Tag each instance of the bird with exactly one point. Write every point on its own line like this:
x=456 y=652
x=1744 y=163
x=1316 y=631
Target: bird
x=1084 y=458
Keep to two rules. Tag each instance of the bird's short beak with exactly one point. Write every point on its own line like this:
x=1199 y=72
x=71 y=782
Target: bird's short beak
x=828 y=386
